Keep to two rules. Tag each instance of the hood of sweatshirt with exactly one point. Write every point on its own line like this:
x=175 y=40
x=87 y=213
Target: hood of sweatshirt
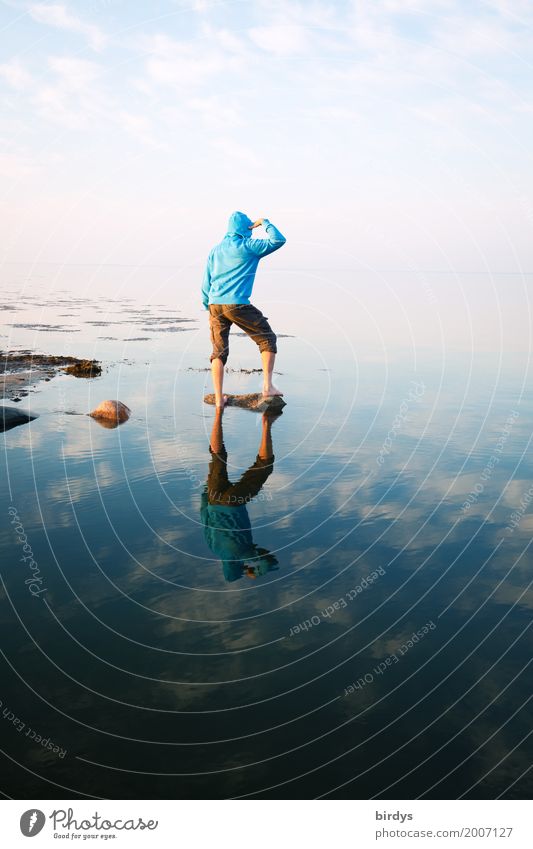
x=239 y=224
x=233 y=569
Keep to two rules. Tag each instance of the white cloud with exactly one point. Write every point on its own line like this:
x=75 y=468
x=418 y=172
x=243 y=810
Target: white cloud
x=215 y=112
x=472 y=37
x=139 y=127
x=227 y=40
x=184 y=64
x=311 y=14
x=75 y=73
x=15 y=74
x=198 y=6
x=334 y=113
x=236 y=151
x=520 y=10
x=71 y=97
x=280 y=38
x=75 y=94
x=57 y=15
x=289 y=27
x=16 y=166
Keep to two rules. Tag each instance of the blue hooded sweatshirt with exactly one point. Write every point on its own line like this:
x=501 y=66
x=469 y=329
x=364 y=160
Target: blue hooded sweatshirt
x=231 y=265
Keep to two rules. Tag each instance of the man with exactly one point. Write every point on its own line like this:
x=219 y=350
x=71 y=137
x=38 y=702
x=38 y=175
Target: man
x=226 y=289
x=223 y=509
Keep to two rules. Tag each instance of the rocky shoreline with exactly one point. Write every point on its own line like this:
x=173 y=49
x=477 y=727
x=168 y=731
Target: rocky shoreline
x=23 y=370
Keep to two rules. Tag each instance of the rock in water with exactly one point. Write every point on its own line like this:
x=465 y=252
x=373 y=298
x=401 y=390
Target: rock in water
x=84 y=368
x=254 y=401
x=12 y=417
x=111 y=413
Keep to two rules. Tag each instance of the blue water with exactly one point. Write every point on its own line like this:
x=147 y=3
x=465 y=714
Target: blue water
x=397 y=505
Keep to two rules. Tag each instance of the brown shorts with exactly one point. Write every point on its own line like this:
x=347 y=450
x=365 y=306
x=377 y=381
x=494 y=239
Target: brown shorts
x=220 y=490
x=245 y=316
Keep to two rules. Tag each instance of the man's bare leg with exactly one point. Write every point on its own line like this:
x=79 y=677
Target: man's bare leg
x=265 y=448
x=217 y=373
x=217 y=439
x=269 y=359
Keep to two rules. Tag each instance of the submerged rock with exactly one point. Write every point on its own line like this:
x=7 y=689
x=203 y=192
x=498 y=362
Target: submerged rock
x=253 y=401
x=84 y=368
x=111 y=413
x=12 y=417
x=22 y=370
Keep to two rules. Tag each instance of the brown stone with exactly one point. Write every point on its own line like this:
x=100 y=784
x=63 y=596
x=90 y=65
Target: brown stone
x=84 y=368
x=254 y=401
x=111 y=413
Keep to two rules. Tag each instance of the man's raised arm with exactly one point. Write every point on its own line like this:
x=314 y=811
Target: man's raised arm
x=262 y=247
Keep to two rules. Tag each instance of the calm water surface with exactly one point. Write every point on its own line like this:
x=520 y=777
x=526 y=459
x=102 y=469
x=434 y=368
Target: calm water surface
x=350 y=619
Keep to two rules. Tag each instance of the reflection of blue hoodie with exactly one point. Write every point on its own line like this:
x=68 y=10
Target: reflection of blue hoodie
x=225 y=519
x=228 y=533
x=231 y=265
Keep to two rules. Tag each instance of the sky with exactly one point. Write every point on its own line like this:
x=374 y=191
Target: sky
x=376 y=134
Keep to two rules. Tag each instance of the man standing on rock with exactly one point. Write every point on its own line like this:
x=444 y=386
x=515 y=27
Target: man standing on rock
x=226 y=289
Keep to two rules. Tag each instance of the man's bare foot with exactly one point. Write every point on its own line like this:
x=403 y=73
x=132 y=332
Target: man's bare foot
x=269 y=391
x=224 y=402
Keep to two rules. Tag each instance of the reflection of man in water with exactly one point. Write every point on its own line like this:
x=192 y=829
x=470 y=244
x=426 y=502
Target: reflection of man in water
x=225 y=518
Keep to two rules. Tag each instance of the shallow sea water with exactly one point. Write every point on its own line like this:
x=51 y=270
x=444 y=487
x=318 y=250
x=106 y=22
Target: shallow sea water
x=397 y=504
